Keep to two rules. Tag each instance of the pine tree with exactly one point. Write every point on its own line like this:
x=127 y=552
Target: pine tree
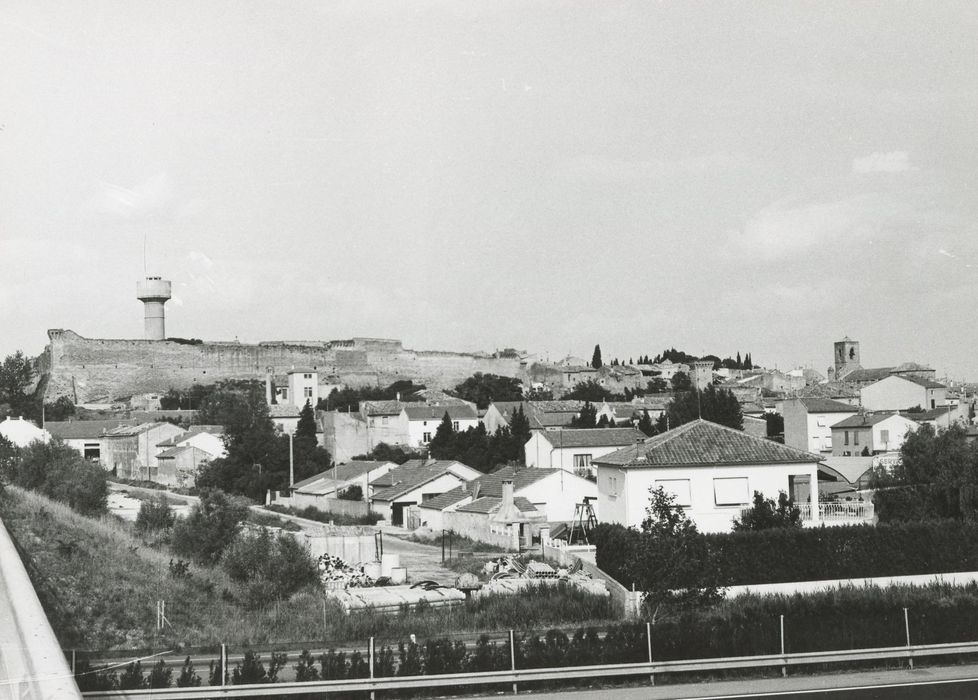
x=645 y=423
x=442 y=445
x=588 y=417
x=306 y=427
x=740 y=364
x=519 y=426
x=596 y=358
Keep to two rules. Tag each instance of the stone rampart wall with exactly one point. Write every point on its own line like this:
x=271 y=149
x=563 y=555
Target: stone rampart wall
x=87 y=369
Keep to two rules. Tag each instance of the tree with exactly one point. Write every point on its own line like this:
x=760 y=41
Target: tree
x=442 y=445
x=671 y=555
x=766 y=514
x=748 y=363
x=59 y=472
x=588 y=391
x=712 y=404
x=483 y=389
x=603 y=422
x=519 y=426
x=680 y=382
x=740 y=363
x=16 y=376
x=388 y=453
x=268 y=568
x=306 y=427
x=775 y=426
x=351 y=493
x=588 y=417
x=645 y=423
x=596 y=357
x=210 y=527
x=61 y=409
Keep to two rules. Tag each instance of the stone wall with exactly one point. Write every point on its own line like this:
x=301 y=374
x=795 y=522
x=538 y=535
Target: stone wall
x=87 y=369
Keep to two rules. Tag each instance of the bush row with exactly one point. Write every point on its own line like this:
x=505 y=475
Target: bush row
x=805 y=554
x=841 y=619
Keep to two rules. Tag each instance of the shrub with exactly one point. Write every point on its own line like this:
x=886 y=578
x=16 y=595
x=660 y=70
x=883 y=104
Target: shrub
x=269 y=568
x=766 y=514
x=210 y=528
x=352 y=493
x=59 y=472
x=154 y=515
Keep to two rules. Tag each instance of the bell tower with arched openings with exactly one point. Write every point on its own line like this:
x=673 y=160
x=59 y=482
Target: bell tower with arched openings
x=846 y=357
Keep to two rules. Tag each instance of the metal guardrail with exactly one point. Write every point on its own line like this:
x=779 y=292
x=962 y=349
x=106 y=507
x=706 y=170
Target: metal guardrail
x=514 y=677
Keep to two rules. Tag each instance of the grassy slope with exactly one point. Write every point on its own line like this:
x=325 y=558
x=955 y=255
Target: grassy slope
x=99 y=584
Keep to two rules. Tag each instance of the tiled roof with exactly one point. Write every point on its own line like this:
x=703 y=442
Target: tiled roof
x=864 y=420
x=704 y=443
x=216 y=430
x=384 y=408
x=489 y=485
x=130 y=430
x=867 y=375
x=342 y=472
x=932 y=414
x=407 y=478
x=920 y=381
x=436 y=413
x=283 y=410
x=175 y=452
x=831 y=390
x=816 y=404
x=487 y=504
x=80 y=429
x=593 y=437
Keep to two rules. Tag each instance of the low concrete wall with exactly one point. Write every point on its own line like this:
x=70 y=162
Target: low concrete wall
x=627 y=603
x=478 y=527
x=336 y=506
x=955 y=579
x=32 y=664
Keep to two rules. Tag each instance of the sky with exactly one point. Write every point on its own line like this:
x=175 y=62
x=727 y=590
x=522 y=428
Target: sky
x=764 y=177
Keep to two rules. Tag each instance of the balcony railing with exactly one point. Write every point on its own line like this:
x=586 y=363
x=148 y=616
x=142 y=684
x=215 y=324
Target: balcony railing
x=859 y=512
x=835 y=513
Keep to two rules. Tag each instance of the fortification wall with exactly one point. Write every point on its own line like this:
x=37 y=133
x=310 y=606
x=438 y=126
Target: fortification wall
x=89 y=369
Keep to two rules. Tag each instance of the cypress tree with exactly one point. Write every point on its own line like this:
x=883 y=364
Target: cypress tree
x=596 y=358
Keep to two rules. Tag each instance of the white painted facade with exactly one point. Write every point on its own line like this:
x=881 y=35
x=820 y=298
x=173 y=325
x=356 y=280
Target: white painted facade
x=544 y=450
x=303 y=385
x=895 y=393
x=711 y=495
x=885 y=436
x=22 y=432
x=420 y=432
x=435 y=487
x=810 y=431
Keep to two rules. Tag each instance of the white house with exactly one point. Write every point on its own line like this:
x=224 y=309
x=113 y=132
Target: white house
x=871 y=433
x=315 y=490
x=630 y=412
x=206 y=438
x=303 y=386
x=412 y=483
x=88 y=437
x=22 y=432
x=553 y=492
x=712 y=470
x=808 y=422
x=422 y=421
x=574 y=449
x=900 y=392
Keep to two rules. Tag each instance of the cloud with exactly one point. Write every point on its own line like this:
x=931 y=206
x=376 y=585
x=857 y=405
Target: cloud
x=150 y=199
x=892 y=162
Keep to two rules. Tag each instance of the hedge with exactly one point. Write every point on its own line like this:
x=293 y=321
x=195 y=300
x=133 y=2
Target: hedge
x=849 y=618
x=809 y=554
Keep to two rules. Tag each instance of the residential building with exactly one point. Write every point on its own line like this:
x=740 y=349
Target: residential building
x=131 y=450
x=713 y=471
x=870 y=434
x=542 y=415
x=207 y=438
x=22 y=432
x=808 y=422
x=423 y=421
x=901 y=392
x=414 y=482
x=574 y=449
x=318 y=489
x=508 y=521
x=178 y=466
x=88 y=437
x=303 y=386
x=630 y=412
x=552 y=492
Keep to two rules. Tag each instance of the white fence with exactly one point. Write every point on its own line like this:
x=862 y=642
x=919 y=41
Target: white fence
x=854 y=512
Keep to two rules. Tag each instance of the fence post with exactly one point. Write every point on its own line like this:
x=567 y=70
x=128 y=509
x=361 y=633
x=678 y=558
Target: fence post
x=512 y=658
x=906 y=626
x=784 y=661
x=72 y=662
x=324 y=616
x=373 y=693
x=442 y=546
x=648 y=636
x=224 y=664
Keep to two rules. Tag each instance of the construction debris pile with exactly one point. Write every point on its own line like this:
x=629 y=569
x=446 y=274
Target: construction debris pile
x=512 y=575
x=336 y=573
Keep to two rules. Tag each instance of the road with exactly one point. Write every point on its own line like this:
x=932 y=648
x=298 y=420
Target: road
x=945 y=682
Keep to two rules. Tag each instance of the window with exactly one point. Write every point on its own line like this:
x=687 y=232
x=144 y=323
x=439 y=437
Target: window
x=582 y=464
x=92 y=451
x=426 y=438
x=307 y=376
x=612 y=485
x=884 y=436
x=855 y=437
x=847 y=437
x=678 y=488
x=285 y=393
x=455 y=425
x=933 y=404
x=731 y=491
x=308 y=392
x=820 y=421
x=383 y=420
